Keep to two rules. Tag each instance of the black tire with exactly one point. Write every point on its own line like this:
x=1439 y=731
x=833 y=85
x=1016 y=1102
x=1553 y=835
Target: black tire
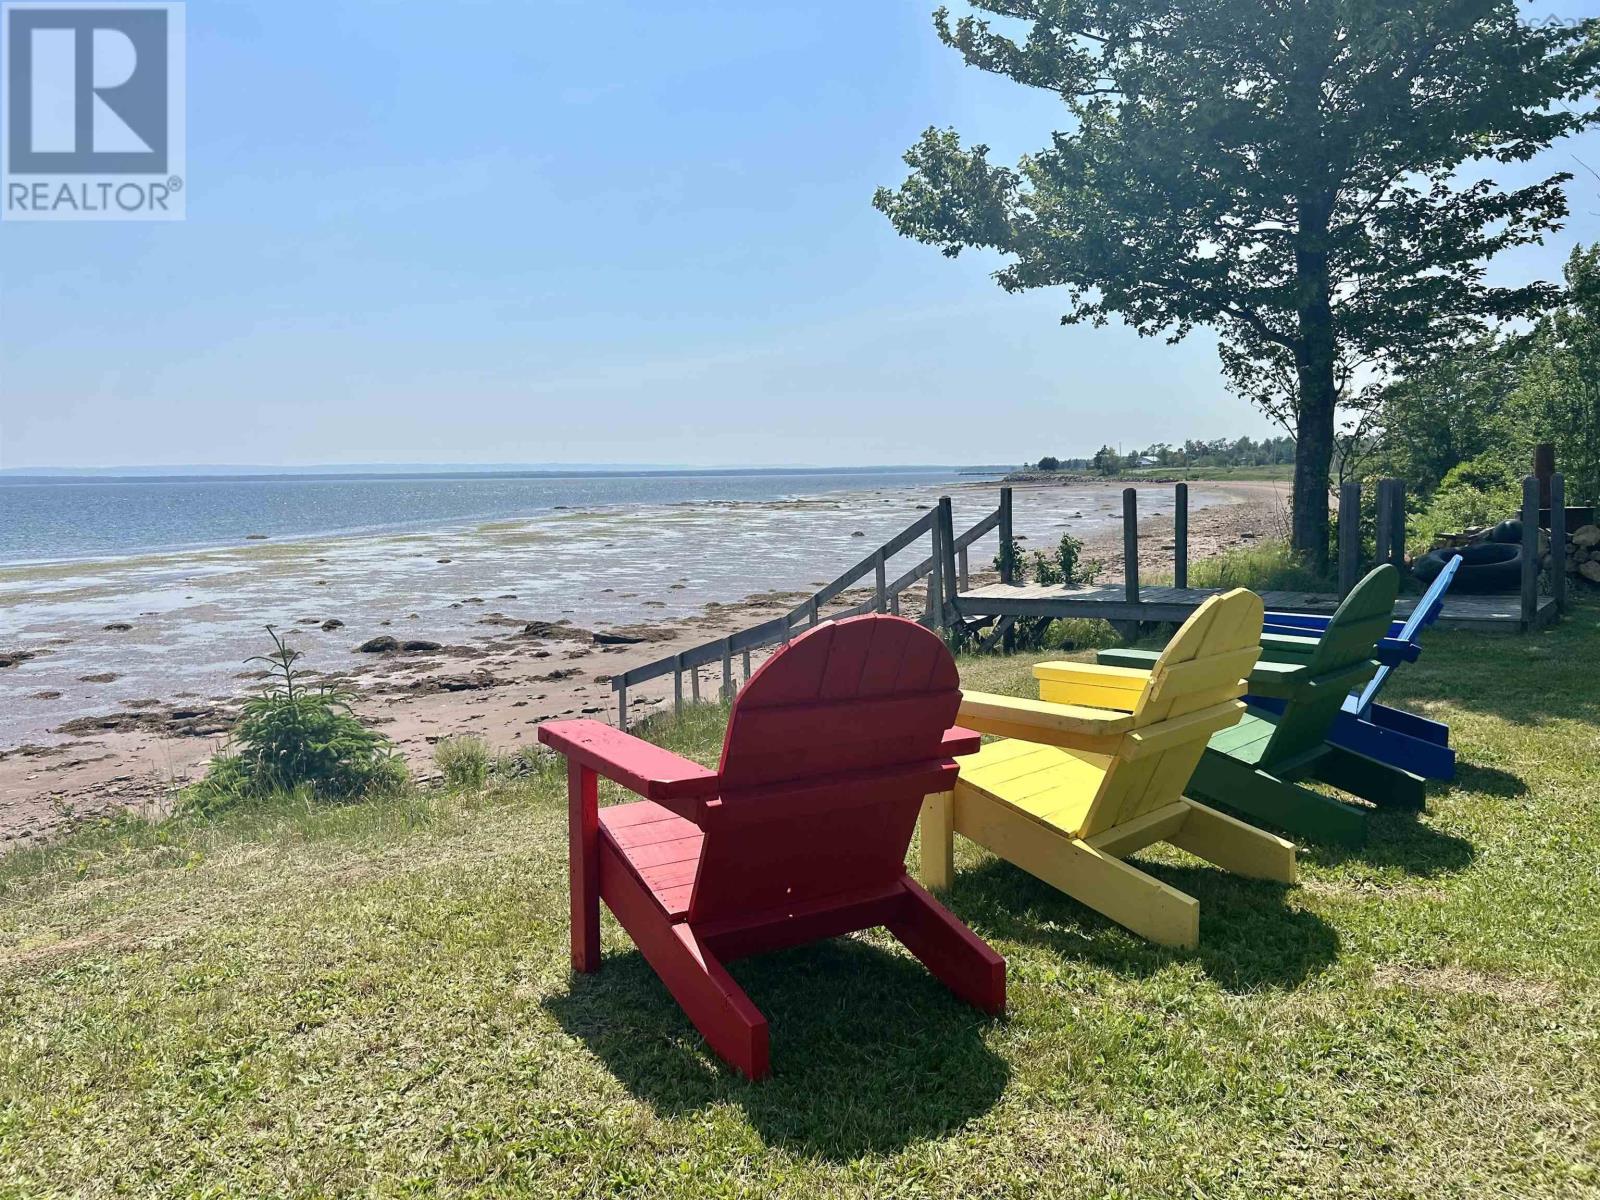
x=1485 y=569
x=1507 y=533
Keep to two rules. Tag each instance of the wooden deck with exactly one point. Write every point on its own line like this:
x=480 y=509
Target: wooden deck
x=1175 y=604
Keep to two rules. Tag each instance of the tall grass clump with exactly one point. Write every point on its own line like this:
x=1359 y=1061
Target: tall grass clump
x=464 y=761
x=1269 y=566
x=293 y=738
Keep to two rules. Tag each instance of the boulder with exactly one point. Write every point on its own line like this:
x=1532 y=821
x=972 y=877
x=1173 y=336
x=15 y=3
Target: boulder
x=117 y=627
x=379 y=645
x=560 y=630
x=331 y=624
x=1590 y=571
x=1588 y=537
x=420 y=646
x=10 y=658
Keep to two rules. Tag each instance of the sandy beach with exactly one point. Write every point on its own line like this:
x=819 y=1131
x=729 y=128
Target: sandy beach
x=492 y=666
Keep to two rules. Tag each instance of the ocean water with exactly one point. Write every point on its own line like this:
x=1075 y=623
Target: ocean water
x=448 y=559
x=54 y=519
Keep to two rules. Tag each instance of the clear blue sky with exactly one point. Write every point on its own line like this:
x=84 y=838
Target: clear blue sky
x=565 y=231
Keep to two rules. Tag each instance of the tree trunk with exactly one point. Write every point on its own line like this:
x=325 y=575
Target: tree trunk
x=1315 y=353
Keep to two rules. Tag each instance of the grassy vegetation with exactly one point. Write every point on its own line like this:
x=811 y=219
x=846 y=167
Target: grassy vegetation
x=1277 y=471
x=304 y=999
x=1266 y=566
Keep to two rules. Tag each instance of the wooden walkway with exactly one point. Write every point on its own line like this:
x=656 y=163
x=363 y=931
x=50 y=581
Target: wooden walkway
x=1111 y=603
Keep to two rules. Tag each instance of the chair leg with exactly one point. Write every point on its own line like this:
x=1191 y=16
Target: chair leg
x=700 y=984
x=1235 y=846
x=718 y=1006
x=1378 y=782
x=1102 y=881
x=583 y=865
x=952 y=952
x=938 y=841
x=1318 y=818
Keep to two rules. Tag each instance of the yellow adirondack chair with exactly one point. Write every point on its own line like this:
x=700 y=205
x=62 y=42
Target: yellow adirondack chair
x=1095 y=770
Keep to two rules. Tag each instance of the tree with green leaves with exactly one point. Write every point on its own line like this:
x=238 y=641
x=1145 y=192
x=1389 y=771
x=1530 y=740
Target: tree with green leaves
x=1307 y=177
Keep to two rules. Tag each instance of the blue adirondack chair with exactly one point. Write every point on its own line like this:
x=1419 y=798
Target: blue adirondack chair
x=1389 y=735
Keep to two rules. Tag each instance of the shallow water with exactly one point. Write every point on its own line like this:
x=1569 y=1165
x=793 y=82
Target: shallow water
x=197 y=614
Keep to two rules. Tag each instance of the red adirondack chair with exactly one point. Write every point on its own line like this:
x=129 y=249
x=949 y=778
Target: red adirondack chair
x=801 y=834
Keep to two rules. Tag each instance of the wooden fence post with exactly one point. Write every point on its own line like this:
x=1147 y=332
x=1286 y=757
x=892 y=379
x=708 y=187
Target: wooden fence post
x=1397 y=523
x=934 y=617
x=1544 y=470
x=677 y=687
x=949 y=581
x=1008 y=566
x=747 y=666
x=1180 y=536
x=880 y=567
x=694 y=685
x=622 y=707
x=727 y=668
x=1558 y=540
x=1349 y=537
x=1130 y=544
x=1530 y=551
x=1384 y=530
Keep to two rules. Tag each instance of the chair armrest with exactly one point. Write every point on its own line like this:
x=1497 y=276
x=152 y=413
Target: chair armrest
x=1392 y=651
x=1135 y=660
x=1277 y=680
x=958 y=741
x=642 y=768
x=1041 y=721
x=1093 y=685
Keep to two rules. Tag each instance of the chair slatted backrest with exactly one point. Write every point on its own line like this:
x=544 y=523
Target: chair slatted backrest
x=1352 y=634
x=1424 y=614
x=1193 y=691
x=829 y=753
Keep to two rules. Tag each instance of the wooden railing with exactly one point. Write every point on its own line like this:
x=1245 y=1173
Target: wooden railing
x=945 y=569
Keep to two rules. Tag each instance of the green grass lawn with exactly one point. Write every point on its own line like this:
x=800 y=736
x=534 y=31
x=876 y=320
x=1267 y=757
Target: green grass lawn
x=376 y=1000
x=1280 y=471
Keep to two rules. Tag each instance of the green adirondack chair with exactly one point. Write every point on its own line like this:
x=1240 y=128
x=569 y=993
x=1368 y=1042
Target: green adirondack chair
x=1253 y=767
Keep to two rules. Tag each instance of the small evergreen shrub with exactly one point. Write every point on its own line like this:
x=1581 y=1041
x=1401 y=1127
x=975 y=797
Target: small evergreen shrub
x=293 y=738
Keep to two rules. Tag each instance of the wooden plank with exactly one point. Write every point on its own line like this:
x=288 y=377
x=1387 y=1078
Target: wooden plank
x=1142 y=831
x=622 y=707
x=880 y=589
x=583 y=864
x=1235 y=846
x=1349 y=536
x=1046 y=723
x=1530 y=552
x=1130 y=544
x=727 y=669
x=1180 y=536
x=1102 y=881
x=1008 y=568
x=642 y=768
x=938 y=841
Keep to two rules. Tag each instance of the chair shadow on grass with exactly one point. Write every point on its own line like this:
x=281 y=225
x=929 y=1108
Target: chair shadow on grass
x=1400 y=839
x=869 y=1052
x=1249 y=937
